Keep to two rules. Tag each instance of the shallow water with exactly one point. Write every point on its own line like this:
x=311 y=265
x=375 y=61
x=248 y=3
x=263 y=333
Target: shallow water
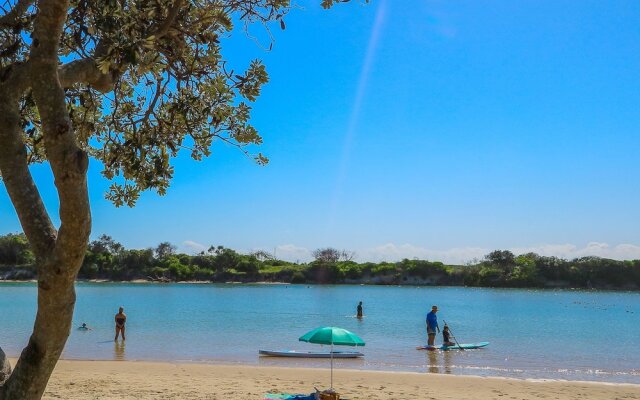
x=559 y=334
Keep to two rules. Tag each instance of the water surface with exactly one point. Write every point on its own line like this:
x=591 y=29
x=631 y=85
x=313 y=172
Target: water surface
x=574 y=335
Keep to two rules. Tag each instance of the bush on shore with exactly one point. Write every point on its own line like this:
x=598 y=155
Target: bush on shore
x=107 y=259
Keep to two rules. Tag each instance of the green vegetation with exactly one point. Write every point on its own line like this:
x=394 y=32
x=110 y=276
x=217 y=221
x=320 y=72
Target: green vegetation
x=108 y=259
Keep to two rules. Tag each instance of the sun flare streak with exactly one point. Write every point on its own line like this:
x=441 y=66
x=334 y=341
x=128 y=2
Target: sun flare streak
x=351 y=132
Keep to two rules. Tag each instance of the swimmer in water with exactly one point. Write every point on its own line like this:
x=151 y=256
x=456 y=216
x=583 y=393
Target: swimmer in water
x=120 y=319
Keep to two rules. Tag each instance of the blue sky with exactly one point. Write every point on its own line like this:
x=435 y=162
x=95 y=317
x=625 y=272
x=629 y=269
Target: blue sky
x=417 y=128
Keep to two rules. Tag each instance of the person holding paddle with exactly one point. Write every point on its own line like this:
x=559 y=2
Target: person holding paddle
x=445 y=336
x=432 y=326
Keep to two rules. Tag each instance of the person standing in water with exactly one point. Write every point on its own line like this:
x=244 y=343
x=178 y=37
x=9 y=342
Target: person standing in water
x=120 y=319
x=359 y=310
x=432 y=325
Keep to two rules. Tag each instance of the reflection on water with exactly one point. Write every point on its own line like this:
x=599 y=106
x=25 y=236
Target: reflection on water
x=447 y=357
x=434 y=368
x=439 y=362
x=118 y=350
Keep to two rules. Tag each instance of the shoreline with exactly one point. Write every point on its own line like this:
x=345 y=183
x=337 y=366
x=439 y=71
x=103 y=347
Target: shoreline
x=339 y=370
x=13 y=357
x=79 y=379
x=277 y=283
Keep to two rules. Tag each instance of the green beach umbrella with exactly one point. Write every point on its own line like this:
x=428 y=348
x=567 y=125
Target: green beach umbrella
x=332 y=335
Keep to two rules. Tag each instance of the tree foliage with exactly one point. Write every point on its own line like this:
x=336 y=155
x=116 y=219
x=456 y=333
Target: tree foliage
x=144 y=80
x=331 y=255
x=107 y=259
x=502 y=258
x=15 y=250
x=164 y=250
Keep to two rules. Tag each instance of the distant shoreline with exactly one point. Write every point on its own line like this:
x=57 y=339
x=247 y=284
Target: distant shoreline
x=145 y=281
x=109 y=261
x=158 y=282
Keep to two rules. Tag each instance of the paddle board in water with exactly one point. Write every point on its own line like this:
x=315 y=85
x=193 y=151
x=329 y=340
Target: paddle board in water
x=465 y=346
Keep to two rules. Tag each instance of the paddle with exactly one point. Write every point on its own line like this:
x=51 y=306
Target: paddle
x=453 y=336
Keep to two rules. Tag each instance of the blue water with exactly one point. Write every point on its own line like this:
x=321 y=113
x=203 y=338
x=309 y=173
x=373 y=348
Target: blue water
x=573 y=335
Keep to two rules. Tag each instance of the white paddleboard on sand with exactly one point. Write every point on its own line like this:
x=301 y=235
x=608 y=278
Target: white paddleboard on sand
x=310 y=354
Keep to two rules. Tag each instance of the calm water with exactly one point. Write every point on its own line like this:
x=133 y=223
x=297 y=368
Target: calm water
x=574 y=335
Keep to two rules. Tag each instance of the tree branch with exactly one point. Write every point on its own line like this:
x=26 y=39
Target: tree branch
x=85 y=71
x=163 y=28
x=9 y=19
x=68 y=162
x=19 y=182
x=14 y=79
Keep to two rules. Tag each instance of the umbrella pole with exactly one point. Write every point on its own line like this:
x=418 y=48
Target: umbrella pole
x=331 y=365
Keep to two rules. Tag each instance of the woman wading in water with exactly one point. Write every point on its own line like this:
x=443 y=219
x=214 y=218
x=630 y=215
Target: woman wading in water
x=121 y=318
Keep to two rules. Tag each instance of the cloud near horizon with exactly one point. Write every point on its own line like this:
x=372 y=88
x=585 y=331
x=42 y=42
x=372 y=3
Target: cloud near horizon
x=291 y=252
x=461 y=255
x=458 y=255
x=191 y=246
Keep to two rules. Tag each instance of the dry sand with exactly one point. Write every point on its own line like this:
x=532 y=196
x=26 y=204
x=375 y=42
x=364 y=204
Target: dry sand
x=147 y=380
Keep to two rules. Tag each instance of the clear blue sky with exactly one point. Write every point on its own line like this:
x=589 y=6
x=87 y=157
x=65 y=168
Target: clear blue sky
x=421 y=128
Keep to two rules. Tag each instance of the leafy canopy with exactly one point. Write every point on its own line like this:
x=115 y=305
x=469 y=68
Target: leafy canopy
x=145 y=79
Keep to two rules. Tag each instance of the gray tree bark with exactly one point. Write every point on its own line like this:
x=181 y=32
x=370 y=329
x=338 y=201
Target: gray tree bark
x=5 y=367
x=59 y=253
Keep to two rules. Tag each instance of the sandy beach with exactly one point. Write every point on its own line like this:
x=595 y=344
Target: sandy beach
x=147 y=380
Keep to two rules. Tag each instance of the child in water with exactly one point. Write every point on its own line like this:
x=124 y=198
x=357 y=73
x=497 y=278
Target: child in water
x=445 y=337
x=84 y=327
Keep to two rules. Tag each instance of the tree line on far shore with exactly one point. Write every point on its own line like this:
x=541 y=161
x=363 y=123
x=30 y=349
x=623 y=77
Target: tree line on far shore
x=109 y=260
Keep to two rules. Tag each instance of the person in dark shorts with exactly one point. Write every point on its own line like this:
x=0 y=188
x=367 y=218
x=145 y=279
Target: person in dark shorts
x=120 y=319
x=432 y=326
x=359 y=310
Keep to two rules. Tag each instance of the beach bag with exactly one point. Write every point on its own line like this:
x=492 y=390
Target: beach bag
x=328 y=396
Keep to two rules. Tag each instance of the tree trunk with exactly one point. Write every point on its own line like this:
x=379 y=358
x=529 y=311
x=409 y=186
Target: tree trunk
x=5 y=367
x=56 y=300
x=59 y=254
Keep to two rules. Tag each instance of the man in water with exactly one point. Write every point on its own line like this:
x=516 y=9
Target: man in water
x=120 y=318
x=359 y=310
x=432 y=326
